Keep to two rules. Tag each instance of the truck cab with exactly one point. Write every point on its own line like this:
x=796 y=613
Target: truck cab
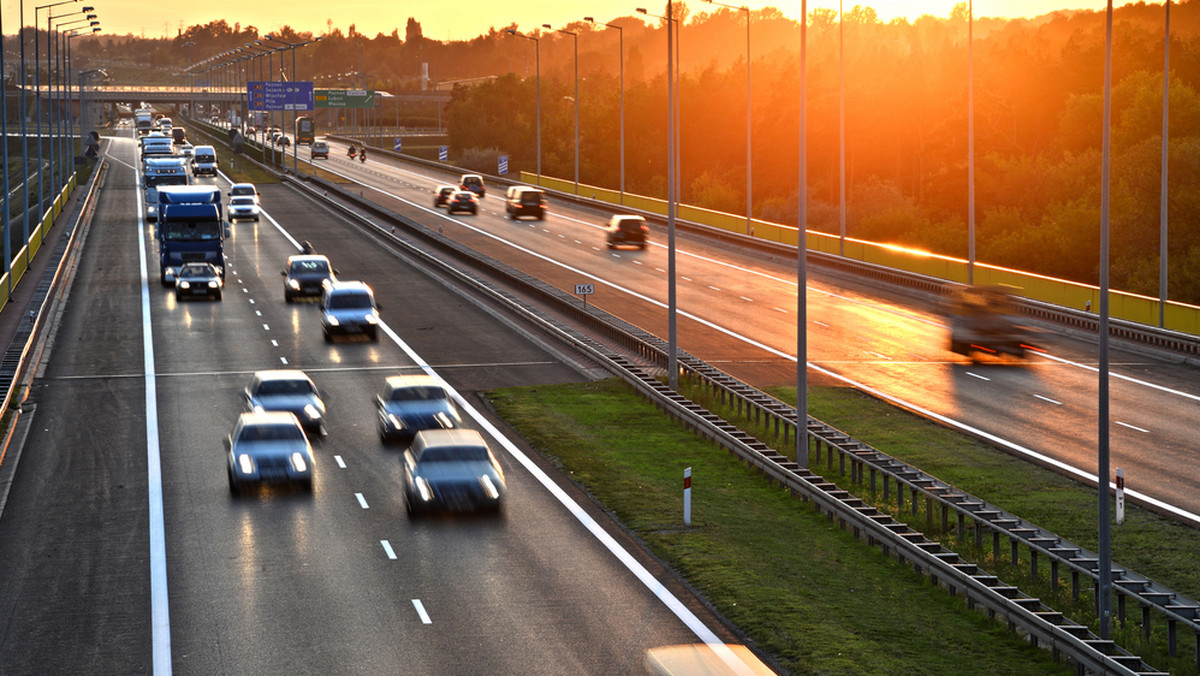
x=190 y=228
x=160 y=172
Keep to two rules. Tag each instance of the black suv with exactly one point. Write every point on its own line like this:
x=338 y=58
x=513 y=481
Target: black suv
x=525 y=201
x=626 y=229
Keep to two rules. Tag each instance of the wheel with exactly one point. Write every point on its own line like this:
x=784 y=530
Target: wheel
x=218 y=295
x=178 y=297
x=328 y=337
x=642 y=246
x=287 y=298
x=234 y=487
x=373 y=334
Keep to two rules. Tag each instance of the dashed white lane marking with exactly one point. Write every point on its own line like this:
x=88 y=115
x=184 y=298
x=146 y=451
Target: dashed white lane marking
x=340 y=463
x=421 y=611
x=283 y=360
x=387 y=548
x=818 y=323
x=266 y=327
x=362 y=502
x=779 y=309
x=713 y=287
x=976 y=375
x=274 y=343
x=1048 y=399
x=1132 y=427
x=748 y=300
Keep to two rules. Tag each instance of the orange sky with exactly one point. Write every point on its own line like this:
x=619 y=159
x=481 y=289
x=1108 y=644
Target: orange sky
x=458 y=20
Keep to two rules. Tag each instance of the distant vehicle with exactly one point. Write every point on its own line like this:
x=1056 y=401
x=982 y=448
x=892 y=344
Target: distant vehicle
x=474 y=183
x=306 y=276
x=984 y=319
x=319 y=149
x=245 y=190
x=523 y=200
x=441 y=194
x=190 y=228
x=452 y=471
x=305 y=131
x=626 y=229
x=197 y=279
x=462 y=200
x=243 y=207
x=159 y=171
x=143 y=119
x=349 y=308
x=412 y=403
x=268 y=447
x=187 y=150
x=179 y=135
x=287 y=390
x=204 y=161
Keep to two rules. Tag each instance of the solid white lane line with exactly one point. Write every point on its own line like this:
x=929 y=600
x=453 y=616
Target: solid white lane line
x=1052 y=401
x=1132 y=427
x=362 y=502
x=421 y=612
x=976 y=375
x=818 y=323
x=387 y=548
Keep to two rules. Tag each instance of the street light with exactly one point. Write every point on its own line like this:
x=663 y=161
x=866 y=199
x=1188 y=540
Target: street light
x=672 y=329
x=292 y=46
x=57 y=146
x=537 y=60
x=621 y=69
x=37 y=80
x=749 y=154
x=576 y=37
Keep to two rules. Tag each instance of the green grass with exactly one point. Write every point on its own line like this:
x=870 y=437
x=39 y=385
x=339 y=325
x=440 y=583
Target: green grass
x=800 y=588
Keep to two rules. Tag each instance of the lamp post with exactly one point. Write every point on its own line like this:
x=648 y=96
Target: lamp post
x=621 y=70
x=575 y=36
x=672 y=329
x=57 y=148
x=292 y=47
x=749 y=154
x=537 y=60
x=37 y=79
x=191 y=80
x=4 y=155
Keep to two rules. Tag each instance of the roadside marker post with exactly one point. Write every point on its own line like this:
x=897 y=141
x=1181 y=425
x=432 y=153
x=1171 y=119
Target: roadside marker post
x=1120 y=496
x=687 y=496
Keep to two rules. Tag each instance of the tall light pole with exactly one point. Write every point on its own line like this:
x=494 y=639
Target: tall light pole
x=537 y=60
x=576 y=38
x=672 y=168
x=841 y=132
x=749 y=124
x=37 y=79
x=57 y=156
x=1104 y=593
x=4 y=155
x=292 y=46
x=1162 y=202
x=621 y=69
x=802 y=256
x=971 y=142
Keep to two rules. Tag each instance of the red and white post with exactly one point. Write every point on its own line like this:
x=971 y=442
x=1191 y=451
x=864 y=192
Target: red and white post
x=1120 y=496
x=687 y=496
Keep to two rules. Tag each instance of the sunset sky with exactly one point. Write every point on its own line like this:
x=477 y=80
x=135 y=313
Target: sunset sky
x=459 y=20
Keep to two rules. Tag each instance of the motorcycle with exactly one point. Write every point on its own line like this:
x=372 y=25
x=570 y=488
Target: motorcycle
x=362 y=157
x=352 y=152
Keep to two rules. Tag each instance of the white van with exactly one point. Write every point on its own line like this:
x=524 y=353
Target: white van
x=204 y=161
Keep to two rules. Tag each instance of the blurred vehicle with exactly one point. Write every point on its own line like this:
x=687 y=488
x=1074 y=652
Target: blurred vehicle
x=410 y=404
x=306 y=275
x=626 y=229
x=441 y=194
x=241 y=207
x=521 y=200
x=268 y=447
x=179 y=135
x=319 y=149
x=197 y=279
x=187 y=150
x=462 y=200
x=984 y=319
x=288 y=390
x=474 y=183
x=349 y=308
x=243 y=190
x=704 y=659
x=305 y=131
x=452 y=471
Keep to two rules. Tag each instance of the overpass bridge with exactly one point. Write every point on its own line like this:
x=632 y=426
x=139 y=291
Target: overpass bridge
x=175 y=94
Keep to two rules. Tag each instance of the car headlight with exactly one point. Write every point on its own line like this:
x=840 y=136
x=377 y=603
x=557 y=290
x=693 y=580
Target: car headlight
x=489 y=488
x=245 y=464
x=312 y=412
x=213 y=284
x=293 y=284
x=396 y=423
x=372 y=318
x=331 y=320
x=423 y=489
x=298 y=462
x=184 y=285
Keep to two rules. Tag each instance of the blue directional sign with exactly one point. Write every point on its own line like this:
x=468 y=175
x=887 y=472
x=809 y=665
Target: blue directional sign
x=279 y=95
x=443 y=153
x=503 y=168
x=397 y=143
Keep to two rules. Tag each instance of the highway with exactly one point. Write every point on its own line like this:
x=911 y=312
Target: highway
x=124 y=551
x=738 y=312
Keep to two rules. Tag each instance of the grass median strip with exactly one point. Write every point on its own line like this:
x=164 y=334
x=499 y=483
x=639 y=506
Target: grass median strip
x=802 y=589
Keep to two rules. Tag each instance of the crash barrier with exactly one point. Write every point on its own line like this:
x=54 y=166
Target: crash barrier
x=641 y=359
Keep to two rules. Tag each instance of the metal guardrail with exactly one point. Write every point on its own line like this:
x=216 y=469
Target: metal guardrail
x=1042 y=624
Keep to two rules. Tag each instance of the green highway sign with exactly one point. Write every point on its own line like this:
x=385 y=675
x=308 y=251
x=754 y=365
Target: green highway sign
x=344 y=98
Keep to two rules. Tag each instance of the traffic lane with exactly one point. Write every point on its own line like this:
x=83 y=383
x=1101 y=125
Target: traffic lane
x=75 y=590
x=382 y=480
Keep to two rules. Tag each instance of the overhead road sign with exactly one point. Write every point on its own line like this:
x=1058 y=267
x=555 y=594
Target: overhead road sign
x=344 y=98
x=279 y=95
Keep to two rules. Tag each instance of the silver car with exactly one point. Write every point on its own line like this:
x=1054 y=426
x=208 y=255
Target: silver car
x=268 y=447
x=349 y=308
x=452 y=471
x=409 y=404
x=197 y=280
x=243 y=207
x=287 y=390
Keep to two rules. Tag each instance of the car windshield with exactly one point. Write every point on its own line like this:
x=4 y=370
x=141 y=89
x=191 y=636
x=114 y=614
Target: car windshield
x=349 y=301
x=266 y=432
x=271 y=387
x=193 y=270
x=242 y=201
x=192 y=231
x=423 y=393
x=454 y=454
x=309 y=267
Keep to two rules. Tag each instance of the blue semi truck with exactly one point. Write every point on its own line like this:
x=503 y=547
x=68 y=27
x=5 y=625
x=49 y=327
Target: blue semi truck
x=190 y=228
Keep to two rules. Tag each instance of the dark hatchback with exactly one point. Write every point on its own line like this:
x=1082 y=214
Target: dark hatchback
x=305 y=276
x=626 y=229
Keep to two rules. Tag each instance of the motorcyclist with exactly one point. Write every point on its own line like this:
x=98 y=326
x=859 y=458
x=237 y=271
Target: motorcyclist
x=362 y=154
x=352 y=151
x=307 y=249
